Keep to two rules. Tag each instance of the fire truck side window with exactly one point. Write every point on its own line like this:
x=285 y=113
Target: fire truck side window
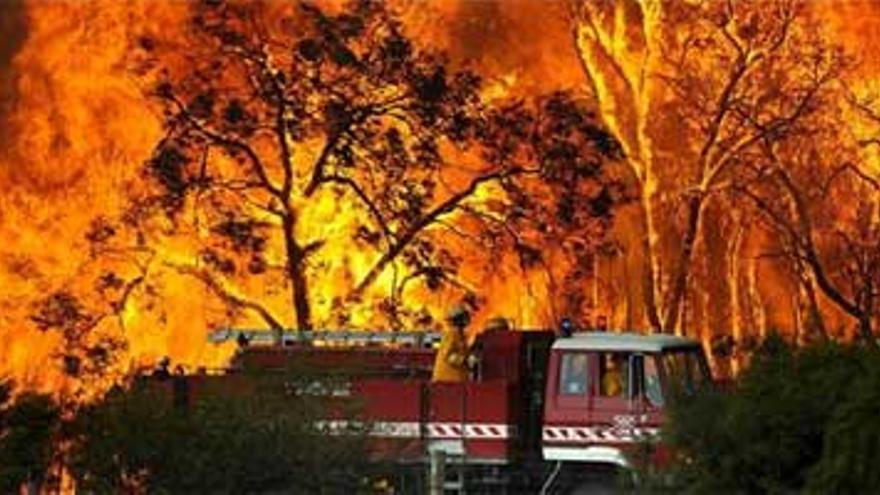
x=613 y=368
x=573 y=374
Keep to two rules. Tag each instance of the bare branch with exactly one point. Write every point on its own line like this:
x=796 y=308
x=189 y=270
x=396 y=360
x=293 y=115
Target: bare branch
x=234 y=300
x=410 y=233
x=228 y=142
x=805 y=240
x=371 y=206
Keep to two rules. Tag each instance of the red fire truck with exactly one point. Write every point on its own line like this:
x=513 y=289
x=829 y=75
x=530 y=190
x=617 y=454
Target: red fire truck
x=541 y=412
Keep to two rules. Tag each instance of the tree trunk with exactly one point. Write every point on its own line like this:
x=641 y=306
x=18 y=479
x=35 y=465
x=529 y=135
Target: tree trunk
x=797 y=314
x=756 y=309
x=296 y=259
x=866 y=333
x=649 y=261
x=628 y=293
x=815 y=324
x=866 y=319
x=736 y=300
x=623 y=102
x=682 y=267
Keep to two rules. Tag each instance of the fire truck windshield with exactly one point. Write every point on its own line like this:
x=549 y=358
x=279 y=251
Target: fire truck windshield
x=686 y=371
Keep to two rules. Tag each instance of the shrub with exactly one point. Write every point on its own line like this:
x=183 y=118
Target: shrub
x=797 y=419
x=28 y=427
x=224 y=441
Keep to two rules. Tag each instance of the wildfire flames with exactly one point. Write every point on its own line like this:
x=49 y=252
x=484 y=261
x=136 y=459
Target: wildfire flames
x=77 y=123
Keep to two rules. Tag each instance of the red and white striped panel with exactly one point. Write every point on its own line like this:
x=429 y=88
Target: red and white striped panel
x=411 y=429
x=478 y=431
x=596 y=434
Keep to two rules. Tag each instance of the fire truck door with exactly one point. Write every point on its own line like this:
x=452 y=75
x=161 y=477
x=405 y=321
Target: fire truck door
x=612 y=390
x=644 y=395
x=635 y=387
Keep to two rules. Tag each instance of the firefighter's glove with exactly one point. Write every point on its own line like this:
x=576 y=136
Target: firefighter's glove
x=455 y=359
x=472 y=361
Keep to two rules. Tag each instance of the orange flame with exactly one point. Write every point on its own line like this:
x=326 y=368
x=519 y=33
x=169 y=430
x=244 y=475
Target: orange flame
x=75 y=125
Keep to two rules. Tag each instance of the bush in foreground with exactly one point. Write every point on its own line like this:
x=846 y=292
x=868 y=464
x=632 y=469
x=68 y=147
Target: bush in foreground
x=253 y=441
x=797 y=420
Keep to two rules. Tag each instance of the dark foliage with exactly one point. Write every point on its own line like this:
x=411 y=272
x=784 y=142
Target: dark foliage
x=85 y=353
x=852 y=438
x=797 y=420
x=28 y=430
x=252 y=440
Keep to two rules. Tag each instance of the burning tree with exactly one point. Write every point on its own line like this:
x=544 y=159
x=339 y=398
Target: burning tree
x=818 y=195
x=305 y=148
x=92 y=323
x=693 y=92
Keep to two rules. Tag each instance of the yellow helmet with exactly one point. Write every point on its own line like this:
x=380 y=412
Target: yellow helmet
x=458 y=316
x=498 y=323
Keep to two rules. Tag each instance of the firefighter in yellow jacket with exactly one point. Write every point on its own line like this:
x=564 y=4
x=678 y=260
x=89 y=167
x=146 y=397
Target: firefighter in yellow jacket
x=454 y=361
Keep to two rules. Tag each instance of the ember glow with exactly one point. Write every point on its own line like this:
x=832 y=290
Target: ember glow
x=77 y=124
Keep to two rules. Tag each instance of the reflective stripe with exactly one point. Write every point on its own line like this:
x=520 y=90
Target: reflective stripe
x=472 y=430
x=596 y=434
x=411 y=429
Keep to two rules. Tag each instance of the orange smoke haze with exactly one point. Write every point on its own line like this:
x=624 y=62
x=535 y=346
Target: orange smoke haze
x=75 y=127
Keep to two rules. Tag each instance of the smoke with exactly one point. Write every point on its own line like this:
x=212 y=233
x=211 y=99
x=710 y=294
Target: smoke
x=75 y=125
x=13 y=30
x=856 y=24
x=523 y=45
x=73 y=128
x=527 y=39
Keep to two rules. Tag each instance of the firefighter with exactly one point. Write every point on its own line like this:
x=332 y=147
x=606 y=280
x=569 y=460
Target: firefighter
x=498 y=323
x=161 y=370
x=612 y=381
x=454 y=360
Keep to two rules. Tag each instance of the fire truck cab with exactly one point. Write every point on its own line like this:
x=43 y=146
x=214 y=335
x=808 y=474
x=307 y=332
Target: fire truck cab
x=605 y=392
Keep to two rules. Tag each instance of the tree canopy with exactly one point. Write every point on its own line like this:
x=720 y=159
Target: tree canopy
x=292 y=132
x=750 y=142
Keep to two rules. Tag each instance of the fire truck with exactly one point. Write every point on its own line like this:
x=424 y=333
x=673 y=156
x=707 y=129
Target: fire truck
x=540 y=413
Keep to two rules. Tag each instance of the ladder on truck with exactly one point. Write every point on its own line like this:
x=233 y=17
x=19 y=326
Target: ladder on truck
x=447 y=473
x=449 y=460
x=455 y=480
x=288 y=337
